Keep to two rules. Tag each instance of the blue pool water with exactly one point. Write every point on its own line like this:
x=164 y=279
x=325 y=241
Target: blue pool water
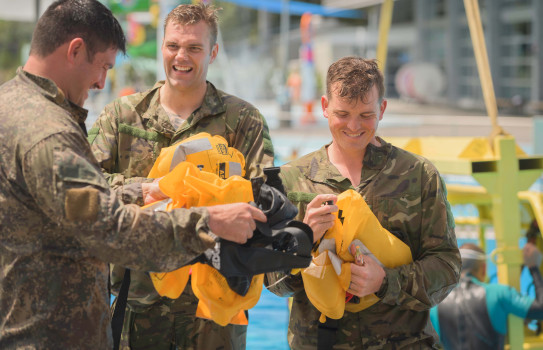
x=268 y=322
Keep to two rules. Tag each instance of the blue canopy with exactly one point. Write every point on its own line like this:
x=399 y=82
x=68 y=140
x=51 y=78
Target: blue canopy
x=298 y=8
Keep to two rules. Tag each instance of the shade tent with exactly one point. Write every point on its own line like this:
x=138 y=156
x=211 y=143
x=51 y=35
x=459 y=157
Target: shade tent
x=298 y=8
x=26 y=10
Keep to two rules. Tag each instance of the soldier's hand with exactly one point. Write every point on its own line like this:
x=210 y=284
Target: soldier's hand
x=532 y=256
x=318 y=214
x=366 y=275
x=234 y=222
x=151 y=192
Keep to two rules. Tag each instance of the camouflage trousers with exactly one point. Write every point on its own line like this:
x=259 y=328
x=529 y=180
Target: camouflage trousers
x=352 y=333
x=171 y=325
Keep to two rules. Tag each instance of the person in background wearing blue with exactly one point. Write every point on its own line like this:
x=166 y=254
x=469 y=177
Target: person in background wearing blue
x=474 y=314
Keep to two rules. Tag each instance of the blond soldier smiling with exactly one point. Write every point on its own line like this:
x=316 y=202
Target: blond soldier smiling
x=127 y=138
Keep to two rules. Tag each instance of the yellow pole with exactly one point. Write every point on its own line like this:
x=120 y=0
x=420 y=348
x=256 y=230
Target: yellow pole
x=506 y=221
x=482 y=238
x=483 y=67
x=385 y=19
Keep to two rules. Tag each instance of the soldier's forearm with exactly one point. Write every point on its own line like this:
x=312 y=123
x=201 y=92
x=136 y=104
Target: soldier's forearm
x=129 y=191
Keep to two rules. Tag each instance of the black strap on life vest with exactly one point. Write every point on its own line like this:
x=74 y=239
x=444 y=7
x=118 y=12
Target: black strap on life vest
x=327 y=334
x=273 y=179
x=117 y=319
x=279 y=244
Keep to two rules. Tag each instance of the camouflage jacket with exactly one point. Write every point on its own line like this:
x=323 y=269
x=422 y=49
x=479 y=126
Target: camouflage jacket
x=408 y=196
x=61 y=224
x=130 y=132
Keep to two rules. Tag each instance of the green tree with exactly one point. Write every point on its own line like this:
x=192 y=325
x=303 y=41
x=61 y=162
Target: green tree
x=13 y=36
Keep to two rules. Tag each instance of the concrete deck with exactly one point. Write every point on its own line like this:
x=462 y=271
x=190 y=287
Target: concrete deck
x=401 y=119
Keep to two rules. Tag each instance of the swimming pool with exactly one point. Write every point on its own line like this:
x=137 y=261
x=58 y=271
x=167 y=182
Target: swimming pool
x=268 y=322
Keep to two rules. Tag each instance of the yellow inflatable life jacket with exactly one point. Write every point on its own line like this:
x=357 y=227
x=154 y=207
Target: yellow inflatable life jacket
x=328 y=277
x=208 y=153
x=217 y=301
x=203 y=171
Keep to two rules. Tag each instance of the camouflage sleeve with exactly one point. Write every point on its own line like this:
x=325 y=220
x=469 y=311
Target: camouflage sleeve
x=103 y=138
x=74 y=193
x=254 y=141
x=436 y=268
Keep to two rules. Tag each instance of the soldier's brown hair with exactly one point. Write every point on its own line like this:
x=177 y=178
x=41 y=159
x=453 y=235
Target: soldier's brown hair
x=356 y=77
x=187 y=14
x=65 y=20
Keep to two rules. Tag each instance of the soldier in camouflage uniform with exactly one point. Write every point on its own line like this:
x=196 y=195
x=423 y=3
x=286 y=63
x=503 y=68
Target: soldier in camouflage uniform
x=127 y=138
x=408 y=197
x=60 y=223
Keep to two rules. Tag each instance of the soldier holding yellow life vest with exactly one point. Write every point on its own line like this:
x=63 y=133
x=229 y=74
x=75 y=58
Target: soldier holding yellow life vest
x=385 y=249
x=227 y=279
x=61 y=223
x=127 y=139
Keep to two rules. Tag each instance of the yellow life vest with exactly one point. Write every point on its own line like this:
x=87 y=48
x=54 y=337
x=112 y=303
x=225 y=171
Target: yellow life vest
x=203 y=171
x=208 y=153
x=217 y=301
x=328 y=277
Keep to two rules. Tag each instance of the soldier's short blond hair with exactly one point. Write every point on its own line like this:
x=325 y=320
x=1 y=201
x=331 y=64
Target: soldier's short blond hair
x=356 y=77
x=187 y=14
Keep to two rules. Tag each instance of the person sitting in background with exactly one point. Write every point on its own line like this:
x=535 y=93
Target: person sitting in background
x=474 y=315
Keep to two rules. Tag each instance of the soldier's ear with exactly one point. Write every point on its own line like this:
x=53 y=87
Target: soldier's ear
x=324 y=104
x=214 y=52
x=76 y=50
x=382 y=108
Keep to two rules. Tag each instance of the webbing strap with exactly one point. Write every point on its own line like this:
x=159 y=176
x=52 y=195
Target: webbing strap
x=118 y=313
x=326 y=334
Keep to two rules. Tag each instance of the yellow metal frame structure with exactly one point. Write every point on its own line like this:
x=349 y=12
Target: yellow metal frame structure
x=385 y=20
x=497 y=163
x=505 y=174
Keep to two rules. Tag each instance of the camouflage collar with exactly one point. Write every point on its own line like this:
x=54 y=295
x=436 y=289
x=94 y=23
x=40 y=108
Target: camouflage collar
x=153 y=115
x=50 y=90
x=376 y=157
x=149 y=106
x=322 y=170
x=212 y=105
